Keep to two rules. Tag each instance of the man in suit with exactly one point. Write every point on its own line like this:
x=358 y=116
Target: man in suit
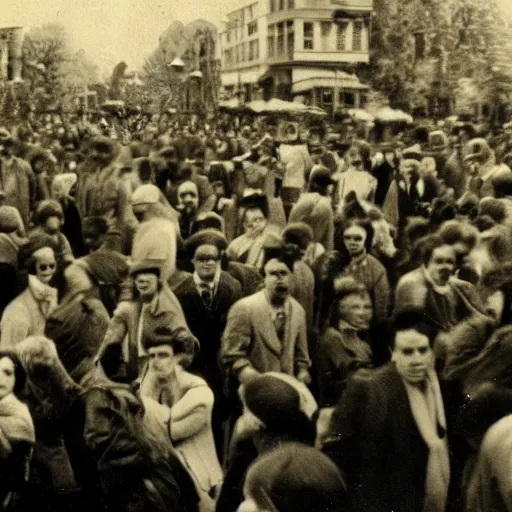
x=206 y=297
x=388 y=433
x=267 y=330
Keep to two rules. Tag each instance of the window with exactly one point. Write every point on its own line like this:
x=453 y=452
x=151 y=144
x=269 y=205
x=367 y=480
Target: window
x=308 y=36
x=228 y=36
x=341 y=36
x=270 y=41
x=273 y=5
x=250 y=13
x=326 y=28
x=254 y=50
x=243 y=57
x=281 y=5
x=290 y=39
x=252 y=28
x=227 y=58
x=291 y=4
x=419 y=45
x=280 y=39
x=347 y=99
x=357 y=37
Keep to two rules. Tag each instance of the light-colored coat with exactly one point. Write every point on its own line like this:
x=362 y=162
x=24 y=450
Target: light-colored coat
x=22 y=318
x=250 y=338
x=188 y=422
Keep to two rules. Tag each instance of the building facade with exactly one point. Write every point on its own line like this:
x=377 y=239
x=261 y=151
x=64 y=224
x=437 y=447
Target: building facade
x=310 y=47
x=11 y=54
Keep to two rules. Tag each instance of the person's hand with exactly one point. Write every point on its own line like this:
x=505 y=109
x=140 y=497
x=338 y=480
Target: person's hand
x=247 y=374
x=304 y=377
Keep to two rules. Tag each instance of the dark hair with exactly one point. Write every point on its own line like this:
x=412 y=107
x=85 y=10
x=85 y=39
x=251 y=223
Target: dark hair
x=20 y=375
x=430 y=244
x=453 y=231
x=414 y=319
x=296 y=478
x=345 y=286
x=364 y=224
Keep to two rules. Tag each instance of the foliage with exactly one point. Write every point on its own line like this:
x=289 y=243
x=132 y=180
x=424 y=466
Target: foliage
x=55 y=75
x=421 y=49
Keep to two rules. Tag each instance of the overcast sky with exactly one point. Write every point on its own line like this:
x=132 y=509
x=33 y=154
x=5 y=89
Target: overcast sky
x=114 y=30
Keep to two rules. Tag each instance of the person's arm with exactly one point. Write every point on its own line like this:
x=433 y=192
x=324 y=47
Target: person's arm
x=190 y=414
x=381 y=293
x=302 y=361
x=236 y=342
x=14 y=327
x=5 y=445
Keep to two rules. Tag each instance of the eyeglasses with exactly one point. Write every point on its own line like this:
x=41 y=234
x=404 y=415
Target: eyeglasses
x=355 y=238
x=45 y=266
x=206 y=258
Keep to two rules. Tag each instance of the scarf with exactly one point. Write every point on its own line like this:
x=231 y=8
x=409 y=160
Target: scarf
x=15 y=420
x=428 y=413
x=44 y=294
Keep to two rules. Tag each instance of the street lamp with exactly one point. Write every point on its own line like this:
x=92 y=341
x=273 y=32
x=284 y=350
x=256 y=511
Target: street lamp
x=177 y=64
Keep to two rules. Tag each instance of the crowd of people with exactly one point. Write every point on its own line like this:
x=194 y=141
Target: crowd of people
x=203 y=316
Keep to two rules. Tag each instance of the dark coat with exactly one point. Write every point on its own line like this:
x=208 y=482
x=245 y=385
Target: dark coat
x=208 y=324
x=72 y=228
x=375 y=440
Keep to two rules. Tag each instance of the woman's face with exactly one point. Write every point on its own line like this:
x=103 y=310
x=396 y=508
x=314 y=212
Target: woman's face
x=354 y=238
x=45 y=264
x=7 y=377
x=356 y=310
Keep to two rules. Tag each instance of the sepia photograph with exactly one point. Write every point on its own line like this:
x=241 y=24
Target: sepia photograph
x=256 y=256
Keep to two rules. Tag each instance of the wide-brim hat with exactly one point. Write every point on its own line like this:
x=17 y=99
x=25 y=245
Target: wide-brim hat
x=206 y=237
x=146 y=266
x=255 y=201
x=181 y=340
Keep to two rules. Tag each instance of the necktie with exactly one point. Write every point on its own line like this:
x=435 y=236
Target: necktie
x=280 y=324
x=206 y=296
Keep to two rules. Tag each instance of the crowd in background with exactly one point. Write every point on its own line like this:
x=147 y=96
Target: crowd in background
x=208 y=315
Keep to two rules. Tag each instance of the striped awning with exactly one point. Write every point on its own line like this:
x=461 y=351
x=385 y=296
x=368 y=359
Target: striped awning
x=343 y=82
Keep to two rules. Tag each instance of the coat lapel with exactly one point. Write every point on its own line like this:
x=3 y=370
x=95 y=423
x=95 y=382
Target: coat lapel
x=264 y=324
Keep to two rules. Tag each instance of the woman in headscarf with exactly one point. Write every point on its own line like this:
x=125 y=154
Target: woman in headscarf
x=72 y=227
x=341 y=350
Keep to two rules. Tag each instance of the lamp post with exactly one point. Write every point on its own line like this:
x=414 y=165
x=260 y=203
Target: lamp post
x=175 y=67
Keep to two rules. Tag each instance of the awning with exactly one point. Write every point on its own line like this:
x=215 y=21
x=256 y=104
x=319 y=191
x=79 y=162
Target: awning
x=343 y=81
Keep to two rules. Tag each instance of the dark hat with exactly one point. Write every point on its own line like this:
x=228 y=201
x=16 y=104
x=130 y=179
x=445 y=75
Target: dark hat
x=35 y=242
x=46 y=209
x=298 y=233
x=146 y=267
x=206 y=237
x=181 y=340
x=477 y=149
x=255 y=201
x=104 y=145
x=274 y=247
x=437 y=140
x=105 y=266
x=271 y=400
x=210 y=220
x=321 y=176
x=94 y=226
x=502 y=185
x=168 y=153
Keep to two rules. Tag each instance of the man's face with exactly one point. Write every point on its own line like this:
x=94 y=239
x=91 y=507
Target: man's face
x=474 y=167
x=147 y=285
x=412 y=355
x=254 y=222
x=408 y=168
x=188 y=199
x=162 y=361
x=356 y=310
x=206 y=261
x=354 y=238
x=277 y=279
x=45 y=264
x=441 y=264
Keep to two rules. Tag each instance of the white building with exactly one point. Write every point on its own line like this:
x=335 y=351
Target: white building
x=310 y=47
